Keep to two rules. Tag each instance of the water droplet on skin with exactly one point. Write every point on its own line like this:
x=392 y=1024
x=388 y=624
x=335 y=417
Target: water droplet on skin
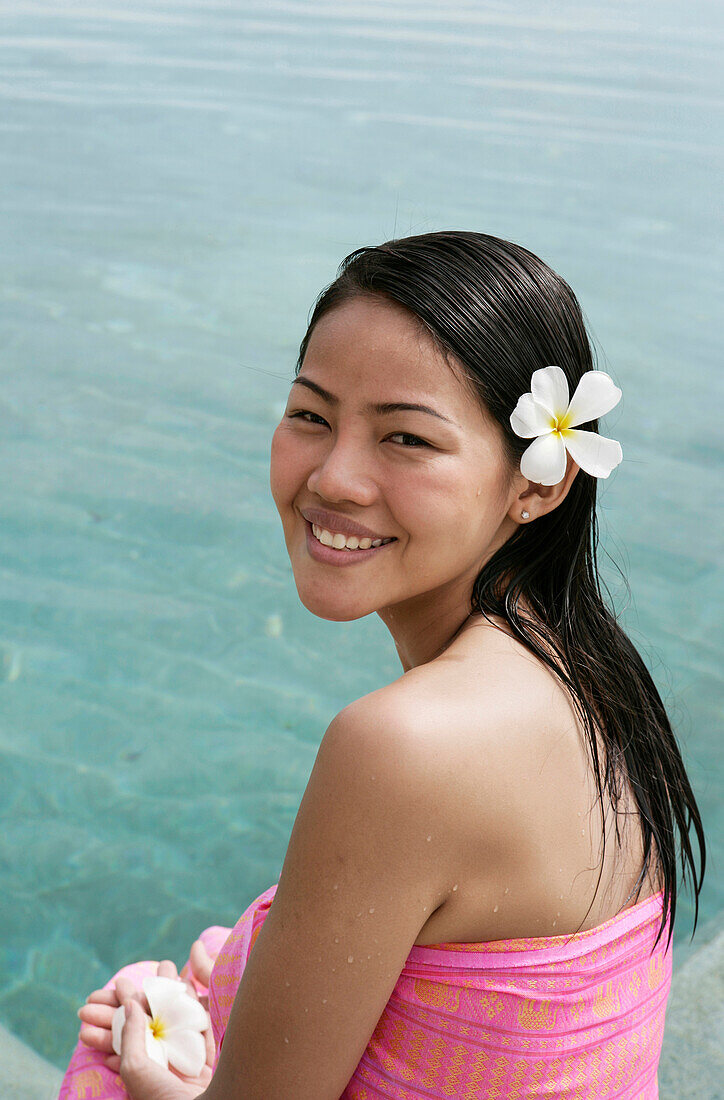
x=336 y=939
x=507 y=888
x=287 y=984
x=561 y=897
x=285 y=1039
x=554 y=924
x=429 y=838
x=360 y=913
x=335 y=886
x=350 y=958
x=369 y=956
x=455 y=886
x=372 y=777
x=306 y=1010
x=424 y=908
x=495 y=910
x=324 y=1000
x=372 y=910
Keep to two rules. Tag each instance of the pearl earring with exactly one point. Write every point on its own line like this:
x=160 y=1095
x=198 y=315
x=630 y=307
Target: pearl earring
x=525 y=514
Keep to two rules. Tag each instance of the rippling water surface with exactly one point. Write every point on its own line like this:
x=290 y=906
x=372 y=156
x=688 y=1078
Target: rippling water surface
x=179 y=180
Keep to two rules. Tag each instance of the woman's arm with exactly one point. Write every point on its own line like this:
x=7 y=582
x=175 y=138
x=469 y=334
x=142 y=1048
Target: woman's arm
x=361 y=876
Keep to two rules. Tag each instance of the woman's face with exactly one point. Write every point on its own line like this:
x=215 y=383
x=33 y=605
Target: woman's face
x=433 y=481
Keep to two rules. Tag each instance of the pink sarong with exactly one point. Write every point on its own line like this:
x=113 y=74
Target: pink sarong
x=577 y=1017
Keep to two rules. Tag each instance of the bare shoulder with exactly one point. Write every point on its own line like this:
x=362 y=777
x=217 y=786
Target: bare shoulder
x=488 y=689
x=486 y=730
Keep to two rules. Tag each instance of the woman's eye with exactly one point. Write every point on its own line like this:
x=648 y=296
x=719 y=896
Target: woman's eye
x=305 y=413
x=406 y=435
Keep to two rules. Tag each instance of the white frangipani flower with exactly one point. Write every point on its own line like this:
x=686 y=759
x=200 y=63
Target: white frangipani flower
x=547 y=414
x=174 y=1030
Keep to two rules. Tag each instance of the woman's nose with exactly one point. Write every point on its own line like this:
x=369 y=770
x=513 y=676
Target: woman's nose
x=341 y=475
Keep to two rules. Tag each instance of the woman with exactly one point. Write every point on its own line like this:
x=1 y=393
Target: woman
x=483 y=865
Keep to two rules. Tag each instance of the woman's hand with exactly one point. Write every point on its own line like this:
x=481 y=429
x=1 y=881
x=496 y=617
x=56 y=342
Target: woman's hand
x=144 y=1079
x=199 y=968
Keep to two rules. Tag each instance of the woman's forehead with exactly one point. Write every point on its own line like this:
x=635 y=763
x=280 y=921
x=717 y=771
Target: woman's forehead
x=367 y=341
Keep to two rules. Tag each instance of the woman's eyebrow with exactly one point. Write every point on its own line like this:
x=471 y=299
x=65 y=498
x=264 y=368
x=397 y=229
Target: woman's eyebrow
x=385 y=407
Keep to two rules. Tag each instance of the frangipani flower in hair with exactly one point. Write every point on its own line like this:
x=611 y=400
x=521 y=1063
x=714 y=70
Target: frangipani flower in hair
x=547 y=414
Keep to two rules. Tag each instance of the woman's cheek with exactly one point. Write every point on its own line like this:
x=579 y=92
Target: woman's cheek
x=280 y=466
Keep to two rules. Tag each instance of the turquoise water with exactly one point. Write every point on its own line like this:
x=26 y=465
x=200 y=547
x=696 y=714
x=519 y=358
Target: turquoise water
x=179 y=180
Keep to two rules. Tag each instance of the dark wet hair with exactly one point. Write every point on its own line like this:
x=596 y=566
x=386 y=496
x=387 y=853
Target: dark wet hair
x=502 y=313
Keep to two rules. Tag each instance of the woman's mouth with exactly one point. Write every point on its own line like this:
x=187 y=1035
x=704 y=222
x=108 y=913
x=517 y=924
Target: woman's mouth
x=334 y=548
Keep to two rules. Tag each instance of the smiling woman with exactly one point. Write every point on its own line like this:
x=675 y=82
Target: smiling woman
x=453 y=917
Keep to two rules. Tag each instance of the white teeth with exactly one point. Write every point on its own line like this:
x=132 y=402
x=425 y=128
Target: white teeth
x=339 y=541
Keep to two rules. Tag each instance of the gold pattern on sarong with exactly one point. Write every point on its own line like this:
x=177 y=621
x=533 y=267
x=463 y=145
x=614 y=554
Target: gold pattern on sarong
x=605 y=1003
x=478 y=1066
x=452 y=1083
x=88 y=1079
x=437 y=995
x=534 y=1017
x=656 y=972
x=490 y=1004
x=430 y=1071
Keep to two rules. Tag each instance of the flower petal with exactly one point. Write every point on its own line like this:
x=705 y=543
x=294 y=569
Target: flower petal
x=185 y=1014
x=155 y=1048
x=596 y=394
x=544 y=462
x=594 y=453
x=549 y=387
x=118 y=1019
x=161 y=992
x=186 y=1051
x=528 y=418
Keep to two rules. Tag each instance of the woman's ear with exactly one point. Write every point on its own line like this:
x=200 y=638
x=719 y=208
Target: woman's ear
x=537 y=500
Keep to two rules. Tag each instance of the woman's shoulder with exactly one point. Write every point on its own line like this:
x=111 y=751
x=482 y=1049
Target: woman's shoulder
x=487 y=716
x=485 y=683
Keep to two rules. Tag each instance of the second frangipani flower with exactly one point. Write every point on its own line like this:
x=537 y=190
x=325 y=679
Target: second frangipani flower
x=174 y=1032
x=547 y=414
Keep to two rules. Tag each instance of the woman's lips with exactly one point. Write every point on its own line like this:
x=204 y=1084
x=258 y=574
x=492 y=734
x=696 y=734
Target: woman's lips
x=329 y=556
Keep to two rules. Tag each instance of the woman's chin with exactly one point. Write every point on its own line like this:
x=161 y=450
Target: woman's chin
x=336 y=610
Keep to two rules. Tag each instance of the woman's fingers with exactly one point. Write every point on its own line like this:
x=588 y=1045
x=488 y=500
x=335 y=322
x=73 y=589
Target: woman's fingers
x=98 y=1015
x=201 y=962
x=97 y=1038
x=103 y=997
x=134 y=1059
x=127 y=991
x=113 y=1061
x=167 y=969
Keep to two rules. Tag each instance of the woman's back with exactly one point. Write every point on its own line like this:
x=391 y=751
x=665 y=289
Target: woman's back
x=528 y=848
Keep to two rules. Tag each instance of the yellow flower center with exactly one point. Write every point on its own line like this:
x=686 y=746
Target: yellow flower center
x=157 y=1027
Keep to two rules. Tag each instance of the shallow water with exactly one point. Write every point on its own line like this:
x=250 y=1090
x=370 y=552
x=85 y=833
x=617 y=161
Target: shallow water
x=179 y=181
